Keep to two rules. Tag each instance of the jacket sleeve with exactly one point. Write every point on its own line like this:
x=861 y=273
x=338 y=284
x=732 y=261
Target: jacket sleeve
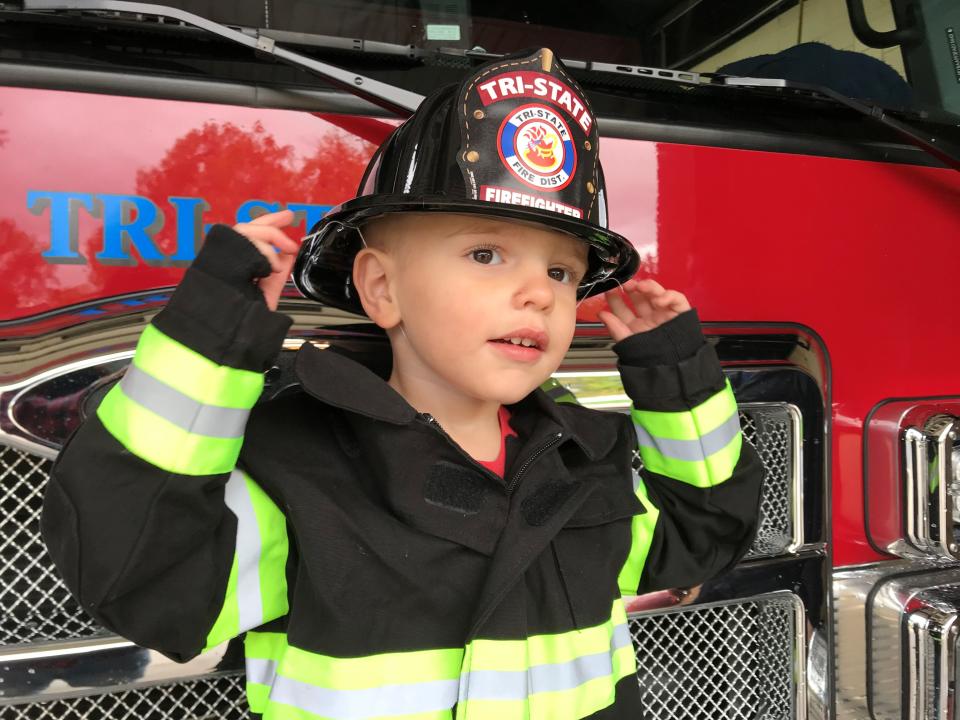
x=155 y=531
x=700 y=483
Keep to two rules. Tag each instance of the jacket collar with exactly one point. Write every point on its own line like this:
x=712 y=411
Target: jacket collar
x=341 y=382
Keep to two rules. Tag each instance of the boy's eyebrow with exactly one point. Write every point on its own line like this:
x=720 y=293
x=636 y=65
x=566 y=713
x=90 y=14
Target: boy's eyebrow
x=568 y=253
x=478 y=229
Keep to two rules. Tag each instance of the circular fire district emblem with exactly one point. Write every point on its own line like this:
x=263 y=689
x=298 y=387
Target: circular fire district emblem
x=536 y=146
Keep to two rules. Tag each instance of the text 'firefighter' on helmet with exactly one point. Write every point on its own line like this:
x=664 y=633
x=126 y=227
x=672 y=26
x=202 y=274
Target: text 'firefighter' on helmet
x=517 y=139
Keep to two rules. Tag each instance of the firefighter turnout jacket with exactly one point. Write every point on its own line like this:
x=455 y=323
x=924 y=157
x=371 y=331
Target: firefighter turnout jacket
x=376 y=569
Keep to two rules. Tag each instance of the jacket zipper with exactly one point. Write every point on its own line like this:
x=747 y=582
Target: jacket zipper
x=523 y=468
x=431 y=420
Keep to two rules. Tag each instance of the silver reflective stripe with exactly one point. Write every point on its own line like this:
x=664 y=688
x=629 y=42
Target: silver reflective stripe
x=518 y=684
x=261 y=671
x=621 y=637
x=692 y=450
x=238 y=500
x=383 y=700
x=438 y=695
x=183 y=411
x=553 y=677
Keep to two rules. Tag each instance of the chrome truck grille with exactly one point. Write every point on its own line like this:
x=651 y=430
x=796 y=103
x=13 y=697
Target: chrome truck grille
x=774 y=430
x=214 y=698
x=732 y=660
x=735 y=661
x=34 y=603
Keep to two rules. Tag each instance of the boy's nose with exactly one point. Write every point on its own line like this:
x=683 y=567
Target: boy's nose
x=535 y=290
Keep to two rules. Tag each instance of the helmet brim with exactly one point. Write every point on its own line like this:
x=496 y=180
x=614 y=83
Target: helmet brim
x=324 y=267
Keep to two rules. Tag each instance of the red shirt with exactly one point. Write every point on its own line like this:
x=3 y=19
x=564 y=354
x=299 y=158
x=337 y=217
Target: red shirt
x=497 y=464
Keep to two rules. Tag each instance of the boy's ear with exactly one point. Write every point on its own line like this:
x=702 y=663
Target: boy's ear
x=373 y=272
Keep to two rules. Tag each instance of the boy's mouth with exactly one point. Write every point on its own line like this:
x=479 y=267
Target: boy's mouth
x=525 y=337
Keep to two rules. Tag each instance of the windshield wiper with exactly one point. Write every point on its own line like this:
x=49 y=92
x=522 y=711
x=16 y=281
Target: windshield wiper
x=939 y=147
x=944 y=150
x=396 y=100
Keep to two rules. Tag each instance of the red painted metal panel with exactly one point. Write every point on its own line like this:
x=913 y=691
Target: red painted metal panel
x=67 y=157
x=862 y=253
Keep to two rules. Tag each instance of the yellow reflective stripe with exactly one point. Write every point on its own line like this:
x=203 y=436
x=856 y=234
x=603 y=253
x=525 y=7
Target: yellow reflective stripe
x=192 y=374
x=701 y=473
x=641 y=536
x=544 y=649
x=699 y=446
x=163 y=444
x=265 y=645
x=258 y=696
x=257 y=588
x=171 y=376
x=577 y=702
x=558 y=392
x=689 y=424
x=415 y=666
x=279 y=711
x=274 y=547
x=227 y=624
x=287 y=682
x=573 y=687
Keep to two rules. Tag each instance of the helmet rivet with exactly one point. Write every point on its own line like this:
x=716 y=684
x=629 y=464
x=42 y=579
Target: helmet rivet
x=590 y=187
x=478 y=114
x=587 y=146
x=472 y=156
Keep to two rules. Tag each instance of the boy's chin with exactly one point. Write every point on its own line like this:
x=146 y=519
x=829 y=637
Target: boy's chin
x=510 y=393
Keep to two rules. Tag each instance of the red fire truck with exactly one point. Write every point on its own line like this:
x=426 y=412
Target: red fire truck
x=789 y=164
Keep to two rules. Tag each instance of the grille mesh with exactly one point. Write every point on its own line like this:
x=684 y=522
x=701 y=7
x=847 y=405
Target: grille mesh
x=770 y=432
x=212 y=698
x=731 y=661
x=34 y=603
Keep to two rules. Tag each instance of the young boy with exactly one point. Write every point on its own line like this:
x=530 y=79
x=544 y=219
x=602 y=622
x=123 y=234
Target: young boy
x=444 y=542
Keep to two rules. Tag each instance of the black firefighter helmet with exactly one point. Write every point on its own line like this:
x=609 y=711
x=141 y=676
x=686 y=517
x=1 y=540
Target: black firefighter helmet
x=516 y=140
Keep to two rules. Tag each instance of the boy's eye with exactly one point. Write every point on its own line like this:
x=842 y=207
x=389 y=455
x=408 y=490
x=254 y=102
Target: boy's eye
x=486 y=256
x=560 y=274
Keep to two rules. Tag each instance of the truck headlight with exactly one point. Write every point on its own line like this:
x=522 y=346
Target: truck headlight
x=912 y=473
x=913 y=622
x=933 y=492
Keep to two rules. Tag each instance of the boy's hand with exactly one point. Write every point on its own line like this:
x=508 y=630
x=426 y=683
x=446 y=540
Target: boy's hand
x=279 y=250
x=652 y=306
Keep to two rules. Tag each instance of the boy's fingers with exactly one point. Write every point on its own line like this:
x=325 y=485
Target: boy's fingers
x=642 y=294
x=619 y=307
x=279 y=219
x=272 y=285
x=648 y=286
x=673 y=300
x=618 y=329
x=269 y=234
x=642 y=303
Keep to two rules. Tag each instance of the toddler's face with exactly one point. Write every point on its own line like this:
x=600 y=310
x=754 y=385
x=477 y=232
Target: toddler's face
x=469 y=287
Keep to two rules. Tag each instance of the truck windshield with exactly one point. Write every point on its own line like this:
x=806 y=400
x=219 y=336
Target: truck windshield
x=896 y=53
